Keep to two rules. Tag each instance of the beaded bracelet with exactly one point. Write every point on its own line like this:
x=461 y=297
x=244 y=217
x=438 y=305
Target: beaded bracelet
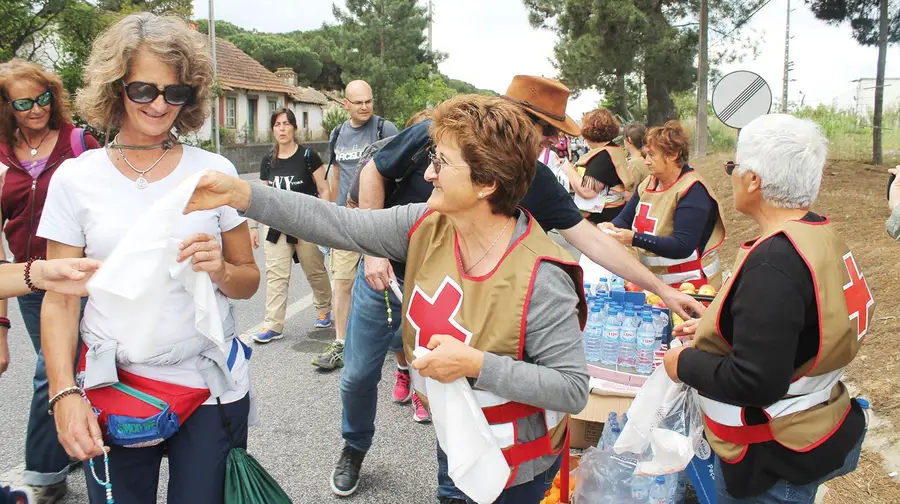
x=63 y=393
x=387 y=302
x=28 y=281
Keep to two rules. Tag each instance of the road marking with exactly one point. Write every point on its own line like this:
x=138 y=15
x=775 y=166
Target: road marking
x=292 y=309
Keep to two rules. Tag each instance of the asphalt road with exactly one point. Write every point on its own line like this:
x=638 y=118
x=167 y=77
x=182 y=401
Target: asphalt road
x=299 y=438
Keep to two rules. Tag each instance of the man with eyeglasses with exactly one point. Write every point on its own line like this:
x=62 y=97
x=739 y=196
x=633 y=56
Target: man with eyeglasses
x=403 y=161
x=346 y=145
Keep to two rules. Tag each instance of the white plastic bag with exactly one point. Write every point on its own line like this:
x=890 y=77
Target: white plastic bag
x=666 y=418
x=475 y=463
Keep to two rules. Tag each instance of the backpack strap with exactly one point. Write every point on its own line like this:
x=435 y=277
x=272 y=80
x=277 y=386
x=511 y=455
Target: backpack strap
x=306 y=158
x=76 y=141
x=331 y=144
x=380 y=134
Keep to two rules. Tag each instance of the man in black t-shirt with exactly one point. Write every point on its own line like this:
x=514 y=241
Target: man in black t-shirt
x=291 y=167
x=404 y=160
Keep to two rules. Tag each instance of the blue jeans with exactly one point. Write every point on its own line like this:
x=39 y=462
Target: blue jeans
x=531 y=492
x=46 y=461
x=783 y=491
x=197 y=456
x=368 y=339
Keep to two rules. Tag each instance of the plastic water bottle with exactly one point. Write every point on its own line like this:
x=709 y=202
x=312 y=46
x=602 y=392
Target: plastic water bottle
x=602 y=288
x=628 y=343
x=640 y=489
x=646 y=345
x=681 y=488
x=607 y=427
x=593 y=334
x=624 y=421
x=614 y=432
x=658 y=492
x=609 y=349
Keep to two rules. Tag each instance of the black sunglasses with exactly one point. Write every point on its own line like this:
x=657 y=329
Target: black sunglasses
x=26 y=104
x=144 y=92
x=730 y=166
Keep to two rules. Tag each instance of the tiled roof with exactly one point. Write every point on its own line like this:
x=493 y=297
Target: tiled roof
x=310 y=95
x=237 y=70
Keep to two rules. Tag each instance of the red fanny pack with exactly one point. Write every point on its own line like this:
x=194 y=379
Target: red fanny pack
x=140 y=411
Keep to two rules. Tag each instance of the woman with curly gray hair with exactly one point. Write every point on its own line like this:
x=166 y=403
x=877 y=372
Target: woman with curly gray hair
x=150 y=78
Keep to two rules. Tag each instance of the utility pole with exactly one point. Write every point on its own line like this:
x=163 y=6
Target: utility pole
x=215 y=108
x=430 y=26
x=703 y=80
x=787 y=59
x=878 y=119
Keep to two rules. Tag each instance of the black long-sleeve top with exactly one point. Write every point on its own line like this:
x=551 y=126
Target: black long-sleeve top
x=771 y=321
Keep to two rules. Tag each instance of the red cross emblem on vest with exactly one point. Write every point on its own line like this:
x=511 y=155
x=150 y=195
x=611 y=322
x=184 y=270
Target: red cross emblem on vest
x=643 y=223
x=436 y=315
x=858 y=296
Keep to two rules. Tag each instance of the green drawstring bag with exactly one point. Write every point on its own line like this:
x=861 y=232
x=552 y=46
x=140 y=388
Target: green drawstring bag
x=246 y=482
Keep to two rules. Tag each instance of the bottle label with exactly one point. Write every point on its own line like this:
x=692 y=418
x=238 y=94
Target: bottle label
x=647 y=341
x=629 y=335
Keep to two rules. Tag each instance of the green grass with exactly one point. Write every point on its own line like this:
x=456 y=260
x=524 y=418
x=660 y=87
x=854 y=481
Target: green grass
x=849 y=136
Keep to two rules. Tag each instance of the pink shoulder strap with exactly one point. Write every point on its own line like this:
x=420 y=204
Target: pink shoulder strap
x=76 y=140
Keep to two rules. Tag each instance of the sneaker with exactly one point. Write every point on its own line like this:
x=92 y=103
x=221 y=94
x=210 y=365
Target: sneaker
x=323 y=320
x=420 y=414
x=345 y=477
x=267 y=336
x=332 y=358
x=402 y=391
x=50 y=494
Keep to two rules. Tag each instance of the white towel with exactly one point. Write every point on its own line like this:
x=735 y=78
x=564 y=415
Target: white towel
x=130 y=282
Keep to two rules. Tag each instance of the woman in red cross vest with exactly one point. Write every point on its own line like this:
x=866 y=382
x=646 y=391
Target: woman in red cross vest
x=673 y=220
x=769 y=353
x=494 y=299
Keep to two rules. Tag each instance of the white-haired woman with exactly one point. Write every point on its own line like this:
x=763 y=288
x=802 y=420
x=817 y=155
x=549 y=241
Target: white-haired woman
x=893 y=223
x=147 y=76
x=769 y=352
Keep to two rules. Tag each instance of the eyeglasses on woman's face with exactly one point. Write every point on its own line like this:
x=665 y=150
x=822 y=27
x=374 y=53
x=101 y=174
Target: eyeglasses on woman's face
x=730 y=166
x=145 y=92
x=26 y=104
x=438 y=162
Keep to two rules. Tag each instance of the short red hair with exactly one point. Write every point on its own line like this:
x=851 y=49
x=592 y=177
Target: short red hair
x=671 y=140
x=498 y=141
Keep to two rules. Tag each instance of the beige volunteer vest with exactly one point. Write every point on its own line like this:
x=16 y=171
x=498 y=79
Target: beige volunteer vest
x=487 y=313
x=817 y=401
x=639 y=172
x=609 y=197
x=655 y=215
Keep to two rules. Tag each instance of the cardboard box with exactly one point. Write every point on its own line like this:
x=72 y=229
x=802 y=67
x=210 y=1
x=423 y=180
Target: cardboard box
x=586 y=427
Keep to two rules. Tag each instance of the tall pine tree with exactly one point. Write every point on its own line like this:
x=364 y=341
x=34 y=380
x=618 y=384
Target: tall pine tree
x=383 y=43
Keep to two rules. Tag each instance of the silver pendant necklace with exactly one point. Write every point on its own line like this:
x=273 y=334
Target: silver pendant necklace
x=141 y=181
x=470 y=268
x=34 y=150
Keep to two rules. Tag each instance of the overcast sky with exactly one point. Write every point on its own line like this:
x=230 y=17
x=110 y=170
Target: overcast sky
x=490 y=41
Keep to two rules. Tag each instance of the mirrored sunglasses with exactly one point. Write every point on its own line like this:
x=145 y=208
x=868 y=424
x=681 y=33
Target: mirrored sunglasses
x=26 y=104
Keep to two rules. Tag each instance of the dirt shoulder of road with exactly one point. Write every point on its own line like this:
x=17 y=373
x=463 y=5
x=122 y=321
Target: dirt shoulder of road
x=853 y=196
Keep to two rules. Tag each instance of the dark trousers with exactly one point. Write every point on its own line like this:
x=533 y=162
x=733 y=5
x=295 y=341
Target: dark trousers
x=197 y=455
x=46 y=461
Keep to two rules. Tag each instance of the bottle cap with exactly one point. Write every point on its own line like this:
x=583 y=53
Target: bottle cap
x=863 y=403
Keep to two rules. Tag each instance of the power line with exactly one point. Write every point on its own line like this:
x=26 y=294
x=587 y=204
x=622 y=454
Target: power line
x=742 y=22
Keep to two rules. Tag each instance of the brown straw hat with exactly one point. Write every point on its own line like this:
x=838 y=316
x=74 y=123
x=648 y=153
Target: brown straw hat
x=545 y=98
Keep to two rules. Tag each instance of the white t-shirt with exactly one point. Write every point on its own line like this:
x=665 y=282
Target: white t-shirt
x=91 y=205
